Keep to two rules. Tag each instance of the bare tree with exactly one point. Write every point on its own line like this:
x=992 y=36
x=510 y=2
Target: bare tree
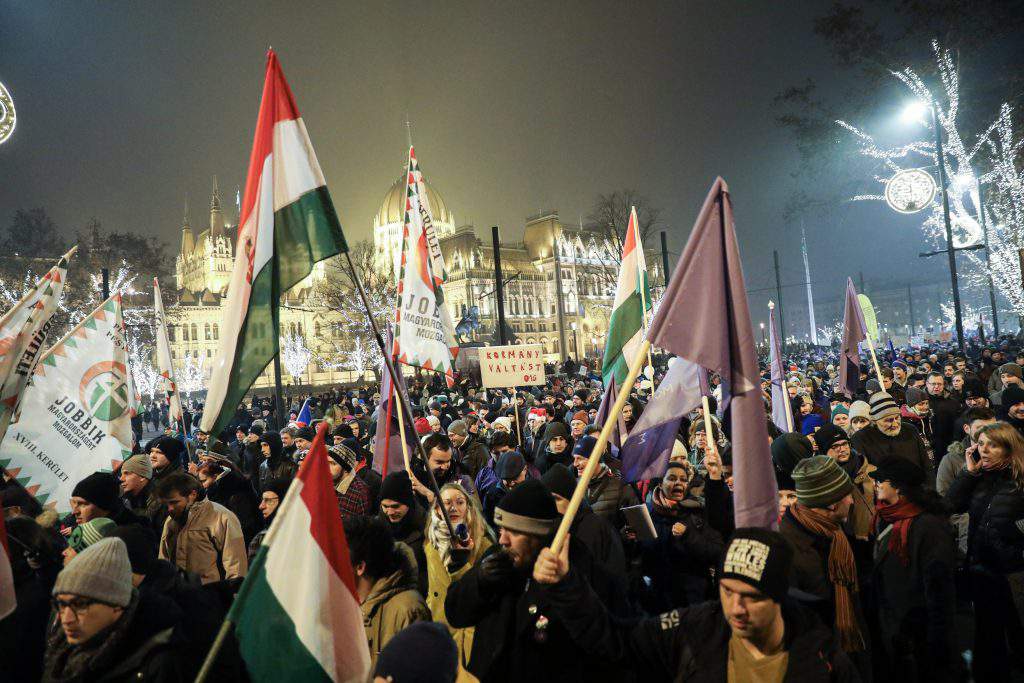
x=605 y=231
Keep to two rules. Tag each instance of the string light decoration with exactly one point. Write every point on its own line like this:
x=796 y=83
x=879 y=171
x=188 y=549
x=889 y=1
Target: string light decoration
x=996 y=149
x=8 y=117
x=190 y=376
x=140 y=363
x=295 y=355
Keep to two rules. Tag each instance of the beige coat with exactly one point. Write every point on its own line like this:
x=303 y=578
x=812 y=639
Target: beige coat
x=209 y=545
x=393 y=604
x=863 y=511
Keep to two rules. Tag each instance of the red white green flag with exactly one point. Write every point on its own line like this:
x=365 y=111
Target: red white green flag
x=424 y=333
x=22 y=336
x=297 y=615
x=626 y=327
x=287 y=225
x=163 y=358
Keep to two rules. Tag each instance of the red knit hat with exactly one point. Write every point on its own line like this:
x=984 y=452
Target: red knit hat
x=422 y=426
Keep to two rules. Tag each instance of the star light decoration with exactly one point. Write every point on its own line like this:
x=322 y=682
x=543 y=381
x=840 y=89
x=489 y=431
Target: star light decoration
x=996 y=149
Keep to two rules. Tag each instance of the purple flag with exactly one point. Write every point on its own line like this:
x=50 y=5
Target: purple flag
x=607 y=401
x=705 y=383
x=855 y=331
x=705 y=319
x=780 y=397
x=387 y=440
x=646 y=451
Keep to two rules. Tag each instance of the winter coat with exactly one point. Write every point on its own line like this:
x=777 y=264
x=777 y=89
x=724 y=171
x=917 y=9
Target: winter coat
x=210 y=544
x=690 y=644
x=995 y=542
x=601 y=539
x=393 y=603
x=680 y=566
x=874 y=445
x=146 y=504
x=23 y=631
x=809 y=571
x=515 y=637
x=439 y=579
x=918 y=601
x=143 y=645
x=272 y=468
x=235 y=492
x=545 y=458
x=945 y=412
x=608 y=494
x=473 y=455
x=411 y=532
x=863 y=511
x=949 y=467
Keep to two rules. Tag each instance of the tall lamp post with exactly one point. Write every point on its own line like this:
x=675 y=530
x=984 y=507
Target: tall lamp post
x=915 y=111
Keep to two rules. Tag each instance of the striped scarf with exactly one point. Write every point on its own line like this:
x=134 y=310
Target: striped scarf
x=842 y=572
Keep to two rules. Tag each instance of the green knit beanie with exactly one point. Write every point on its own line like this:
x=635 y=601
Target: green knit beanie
x=820 y=482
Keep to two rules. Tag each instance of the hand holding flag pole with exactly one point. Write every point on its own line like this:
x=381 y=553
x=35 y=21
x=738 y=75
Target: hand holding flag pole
x=602 y=443
x=710 y=446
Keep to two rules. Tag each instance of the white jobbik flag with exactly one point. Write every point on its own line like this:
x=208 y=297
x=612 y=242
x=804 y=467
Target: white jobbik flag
x=76 y=413
x=163 y=358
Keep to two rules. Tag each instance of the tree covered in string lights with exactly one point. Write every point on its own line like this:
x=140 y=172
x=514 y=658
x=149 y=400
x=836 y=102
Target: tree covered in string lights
x=295 y=355
x=987 y=162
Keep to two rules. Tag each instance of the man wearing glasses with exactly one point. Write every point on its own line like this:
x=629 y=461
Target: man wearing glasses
x=106 y=630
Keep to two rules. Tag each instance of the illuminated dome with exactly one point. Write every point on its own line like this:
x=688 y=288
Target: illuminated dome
x=392 y=210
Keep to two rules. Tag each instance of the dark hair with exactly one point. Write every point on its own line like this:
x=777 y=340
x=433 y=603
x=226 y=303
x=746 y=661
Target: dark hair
x=979 y=413
x=370 y=541
x=927 y=499
x=500 y=440
x=934 y=374
x=440 y=441
x=181 y=483
x=30 y=541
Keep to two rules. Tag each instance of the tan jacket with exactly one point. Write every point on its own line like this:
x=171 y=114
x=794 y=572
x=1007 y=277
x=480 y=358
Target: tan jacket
x=393 y=604
x=863 y=510
x=209 y=545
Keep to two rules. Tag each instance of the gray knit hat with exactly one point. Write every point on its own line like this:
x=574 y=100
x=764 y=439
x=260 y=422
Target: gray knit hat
x=458 y=427
x=101 y=572
x=882 y=406
x=859 y=409
x=820 y=482
x=138 y=464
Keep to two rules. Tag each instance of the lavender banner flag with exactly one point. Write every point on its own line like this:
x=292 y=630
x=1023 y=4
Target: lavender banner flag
x=704 y=318
x=646 y=451
x=855 y=331
x=780 y=397
x=387 y=441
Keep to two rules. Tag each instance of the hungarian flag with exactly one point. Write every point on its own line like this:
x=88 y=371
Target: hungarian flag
x=163 y=358
x=424 y=333
x=632 y=300
x=297 y=615
x=287 y=225
x=22 y=335
x=7 y=600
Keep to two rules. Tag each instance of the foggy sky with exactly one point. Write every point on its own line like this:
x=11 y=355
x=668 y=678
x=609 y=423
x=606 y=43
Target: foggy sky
x=126 y=108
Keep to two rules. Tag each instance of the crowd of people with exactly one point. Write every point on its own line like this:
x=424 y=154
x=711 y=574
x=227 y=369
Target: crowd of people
x=899 y=553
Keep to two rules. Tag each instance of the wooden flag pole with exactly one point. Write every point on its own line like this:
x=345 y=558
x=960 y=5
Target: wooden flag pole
x=401 y=434
x=874 y=361
x=515 y=410
x=602 y=443
x=788 y=406
x=642 y=281
x=710 y=445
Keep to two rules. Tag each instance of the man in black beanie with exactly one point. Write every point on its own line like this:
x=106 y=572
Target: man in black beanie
x=516 y=637
x=406 y=518
x=99 y=495
x=165 y=455
x=754 y=631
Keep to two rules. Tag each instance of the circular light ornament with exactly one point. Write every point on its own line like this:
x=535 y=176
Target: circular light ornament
x=910 y=191
x=7 y=118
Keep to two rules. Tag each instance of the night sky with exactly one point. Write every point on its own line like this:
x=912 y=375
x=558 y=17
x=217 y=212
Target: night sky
x=124 y=109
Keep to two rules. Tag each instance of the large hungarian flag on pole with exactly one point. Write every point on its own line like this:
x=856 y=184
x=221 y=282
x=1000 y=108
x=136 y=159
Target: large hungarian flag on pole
x=297 y=615
x=163 y=358
x=287 y=225
x=626 y=327
x=424 y=333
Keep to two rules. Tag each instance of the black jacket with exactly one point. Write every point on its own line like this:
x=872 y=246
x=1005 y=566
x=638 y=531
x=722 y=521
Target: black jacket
x=945 y=412
x=235 y=492
x=608 y=494
x=917 y=602
x=689 y=644
x=874 y=445
x=508 y=643
x=995 y=542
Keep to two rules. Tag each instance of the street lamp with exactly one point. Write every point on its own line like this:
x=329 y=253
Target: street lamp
x=763 y=339
x=915 y=112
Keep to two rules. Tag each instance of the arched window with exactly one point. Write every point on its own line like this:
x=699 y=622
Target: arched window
x=216 y=331
x=207 y=332
x=195 y=332
x=170 y=333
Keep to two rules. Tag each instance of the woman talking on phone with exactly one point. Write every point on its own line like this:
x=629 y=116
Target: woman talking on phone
x=991 y=488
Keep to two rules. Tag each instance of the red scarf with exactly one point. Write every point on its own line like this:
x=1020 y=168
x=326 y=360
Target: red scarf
x=900 y=515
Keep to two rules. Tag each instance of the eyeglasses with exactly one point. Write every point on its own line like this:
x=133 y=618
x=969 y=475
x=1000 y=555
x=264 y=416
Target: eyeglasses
x=78 y=606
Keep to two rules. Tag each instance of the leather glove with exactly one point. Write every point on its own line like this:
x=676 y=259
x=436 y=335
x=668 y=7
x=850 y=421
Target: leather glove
x=458 y=557
x=497 y=571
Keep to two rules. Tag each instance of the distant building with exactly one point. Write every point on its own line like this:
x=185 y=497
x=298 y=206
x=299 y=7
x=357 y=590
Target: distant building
x=567 y=315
